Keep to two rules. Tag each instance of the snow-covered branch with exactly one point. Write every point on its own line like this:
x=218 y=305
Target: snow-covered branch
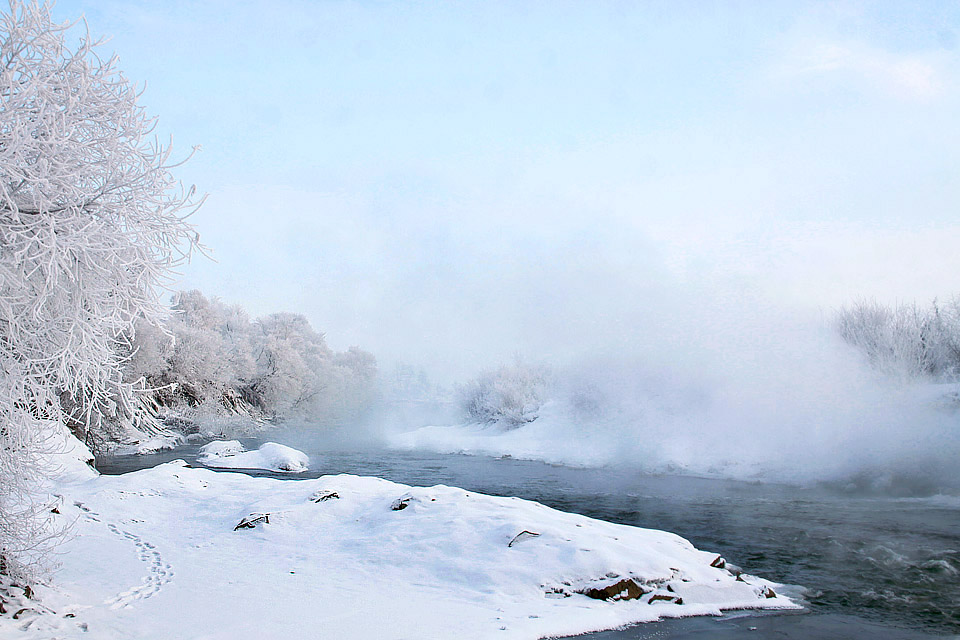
x=91 y=224
x=905 y=340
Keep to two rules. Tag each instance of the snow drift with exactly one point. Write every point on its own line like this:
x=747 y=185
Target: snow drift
x=230 y=454
x=347 y=556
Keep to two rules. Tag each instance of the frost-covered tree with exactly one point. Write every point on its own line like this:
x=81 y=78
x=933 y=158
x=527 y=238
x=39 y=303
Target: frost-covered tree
x=905 y=340
x=213 y=360
x=354 y=385
x=510 y=395
x=91 y=223
x=204 y=355
x=300 y=376
x=294 y=364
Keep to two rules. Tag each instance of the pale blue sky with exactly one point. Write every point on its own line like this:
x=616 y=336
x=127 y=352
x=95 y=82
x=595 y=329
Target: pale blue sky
x=450 y=183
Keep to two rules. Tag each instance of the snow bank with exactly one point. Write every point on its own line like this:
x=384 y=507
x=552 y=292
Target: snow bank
x=230 y=454
x=176 y=552
x=67 y=459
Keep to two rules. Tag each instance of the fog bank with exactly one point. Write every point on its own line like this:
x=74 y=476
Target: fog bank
x=772 y=398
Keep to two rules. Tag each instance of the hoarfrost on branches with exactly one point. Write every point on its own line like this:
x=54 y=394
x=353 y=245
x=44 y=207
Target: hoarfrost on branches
x=511 y=395
x=216 y=360
x=91 y=224
x=906 y=340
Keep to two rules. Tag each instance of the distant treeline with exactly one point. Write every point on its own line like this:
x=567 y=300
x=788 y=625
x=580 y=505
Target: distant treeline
x=211 y=358
x=906 y=340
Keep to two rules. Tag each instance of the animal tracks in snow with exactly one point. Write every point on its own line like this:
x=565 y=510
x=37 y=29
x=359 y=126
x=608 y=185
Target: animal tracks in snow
x=160 y=573
x=91 y=515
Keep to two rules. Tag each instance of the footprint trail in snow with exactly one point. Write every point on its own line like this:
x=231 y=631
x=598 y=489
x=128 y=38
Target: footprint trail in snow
x=160 y=573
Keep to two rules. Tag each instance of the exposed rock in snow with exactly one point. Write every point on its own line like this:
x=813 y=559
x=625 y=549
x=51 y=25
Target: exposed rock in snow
x=401 y=503
x=230 y=454
x=520 y=537
x=626 y=589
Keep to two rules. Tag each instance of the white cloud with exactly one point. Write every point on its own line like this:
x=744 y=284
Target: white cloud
x=912 y=76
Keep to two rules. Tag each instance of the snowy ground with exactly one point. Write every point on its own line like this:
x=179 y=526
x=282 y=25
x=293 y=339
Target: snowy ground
x=157 y=554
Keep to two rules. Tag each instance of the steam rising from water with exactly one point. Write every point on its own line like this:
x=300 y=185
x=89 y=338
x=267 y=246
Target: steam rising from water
x=736 y=399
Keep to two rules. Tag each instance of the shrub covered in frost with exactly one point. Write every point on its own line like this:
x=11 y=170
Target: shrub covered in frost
x=511 y=395
x=905 y=340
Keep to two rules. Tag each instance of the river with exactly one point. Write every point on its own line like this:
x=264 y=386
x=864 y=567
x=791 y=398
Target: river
x=874 y=566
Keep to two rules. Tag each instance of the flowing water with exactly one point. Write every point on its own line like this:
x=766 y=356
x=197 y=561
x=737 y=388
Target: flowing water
x=874 y=566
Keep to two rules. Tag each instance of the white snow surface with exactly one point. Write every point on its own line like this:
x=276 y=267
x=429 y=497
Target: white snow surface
x=155 y=555
x=70 y=460
x=220 y=449
x=230 y=454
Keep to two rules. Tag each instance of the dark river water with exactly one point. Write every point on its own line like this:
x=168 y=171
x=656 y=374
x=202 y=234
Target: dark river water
x=874 y=567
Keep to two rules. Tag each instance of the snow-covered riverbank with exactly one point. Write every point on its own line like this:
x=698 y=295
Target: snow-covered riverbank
x=158 y=554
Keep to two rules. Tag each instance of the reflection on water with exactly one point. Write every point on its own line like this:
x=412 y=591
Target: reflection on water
x=891 y=562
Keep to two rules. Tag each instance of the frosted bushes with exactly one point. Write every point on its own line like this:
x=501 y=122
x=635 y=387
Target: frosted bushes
x=293 y=364
x=298 y=375
x=905 y=340
x=511 y=395
x=203 y=351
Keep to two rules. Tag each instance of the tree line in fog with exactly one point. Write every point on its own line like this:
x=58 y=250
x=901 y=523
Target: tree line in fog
x=210 y=358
